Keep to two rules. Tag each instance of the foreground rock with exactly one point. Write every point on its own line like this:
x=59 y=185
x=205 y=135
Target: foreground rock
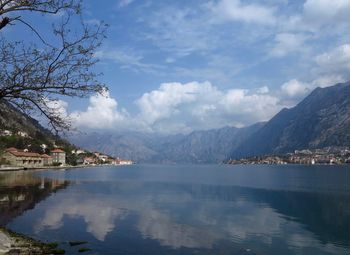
x=5 y=243
x=15 y=244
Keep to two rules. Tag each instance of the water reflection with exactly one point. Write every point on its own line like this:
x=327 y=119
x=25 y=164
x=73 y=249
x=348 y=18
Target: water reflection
x=98 y=212
x=186 y=218
x=21 y=191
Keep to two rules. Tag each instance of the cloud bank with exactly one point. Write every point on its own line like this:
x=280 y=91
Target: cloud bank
x=180 y=108
x=183 y=107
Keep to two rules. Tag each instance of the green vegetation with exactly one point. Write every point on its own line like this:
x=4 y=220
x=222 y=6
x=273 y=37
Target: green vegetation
x=72 y=159
x=14 y=141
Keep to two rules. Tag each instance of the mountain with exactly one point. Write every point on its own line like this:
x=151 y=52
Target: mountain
x=32 y=134
x=131 y=145
x=212 y=146
x=12 y=119
x=321 y=119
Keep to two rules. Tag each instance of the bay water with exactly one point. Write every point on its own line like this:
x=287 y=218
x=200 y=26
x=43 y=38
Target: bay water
x=183 y=209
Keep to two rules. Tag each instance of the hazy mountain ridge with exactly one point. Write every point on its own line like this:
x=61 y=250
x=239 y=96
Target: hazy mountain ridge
x=321 y=119
x=212 y=146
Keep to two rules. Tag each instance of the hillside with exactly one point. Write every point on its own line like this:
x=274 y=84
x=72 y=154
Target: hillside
x=212 y=146
x=321 y=119
x=26 y=132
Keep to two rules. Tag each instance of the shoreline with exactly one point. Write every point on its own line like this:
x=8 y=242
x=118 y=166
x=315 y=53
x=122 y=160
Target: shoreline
x=14 y=168
x=15 y=243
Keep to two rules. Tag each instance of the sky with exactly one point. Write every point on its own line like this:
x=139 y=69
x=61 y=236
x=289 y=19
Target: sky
x=178 y=66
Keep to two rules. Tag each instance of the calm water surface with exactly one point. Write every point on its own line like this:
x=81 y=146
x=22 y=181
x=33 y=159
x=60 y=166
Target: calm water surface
x=147 y=209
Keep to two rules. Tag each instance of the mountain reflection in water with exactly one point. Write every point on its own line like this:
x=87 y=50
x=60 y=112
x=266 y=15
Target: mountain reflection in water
x=127 y=211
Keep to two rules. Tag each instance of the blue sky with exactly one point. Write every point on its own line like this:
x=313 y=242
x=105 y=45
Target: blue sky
x=178 y=66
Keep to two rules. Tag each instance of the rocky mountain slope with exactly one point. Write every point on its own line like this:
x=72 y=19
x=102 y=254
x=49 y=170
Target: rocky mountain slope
x=33 y=135
x=212 y=146
x=321 y=119
x=12 y=119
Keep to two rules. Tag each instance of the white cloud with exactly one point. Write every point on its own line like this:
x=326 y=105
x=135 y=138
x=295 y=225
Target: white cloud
x=295 y=88
x=184 y=107
x=180 y=108
x=123 y=3
x=101 y=113
x=241 y=104
x=180 y=31
x=286 y=43
x=321 y=17
x=169 y=60
x=335 y=60
x=167 y=100
x=263 y=90
x=325 y=11
x=127 y=58
x=202 y=106
x=235 y=10
x=59 y=107
x=328 y=80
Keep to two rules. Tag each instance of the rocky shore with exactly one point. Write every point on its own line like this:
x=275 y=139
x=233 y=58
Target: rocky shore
x=16 y=244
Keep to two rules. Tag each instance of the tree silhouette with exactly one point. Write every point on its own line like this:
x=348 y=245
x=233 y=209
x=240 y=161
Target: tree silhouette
x=34 y=77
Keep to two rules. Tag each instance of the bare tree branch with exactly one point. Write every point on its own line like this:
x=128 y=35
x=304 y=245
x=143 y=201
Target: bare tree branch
x=32 y=78
x=40 y=6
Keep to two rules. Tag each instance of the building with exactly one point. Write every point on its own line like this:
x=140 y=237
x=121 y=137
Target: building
x=78 y=152
x=19 y=158
x=58 y=157
x=47 y=160
x=22 y=134
x=103 y=158
x=5 y=133
x=89 y=161
x=125 y=162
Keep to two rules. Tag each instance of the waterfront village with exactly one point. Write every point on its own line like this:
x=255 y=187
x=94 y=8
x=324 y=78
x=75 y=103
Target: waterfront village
x=327 y=155
x=14 y=158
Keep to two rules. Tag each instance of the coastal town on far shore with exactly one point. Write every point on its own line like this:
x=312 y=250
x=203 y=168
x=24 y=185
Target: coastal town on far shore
x=328 y=155
x=14 y=158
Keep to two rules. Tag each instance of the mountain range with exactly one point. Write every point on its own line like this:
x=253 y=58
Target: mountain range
x=210 y=146
x=321 y=119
